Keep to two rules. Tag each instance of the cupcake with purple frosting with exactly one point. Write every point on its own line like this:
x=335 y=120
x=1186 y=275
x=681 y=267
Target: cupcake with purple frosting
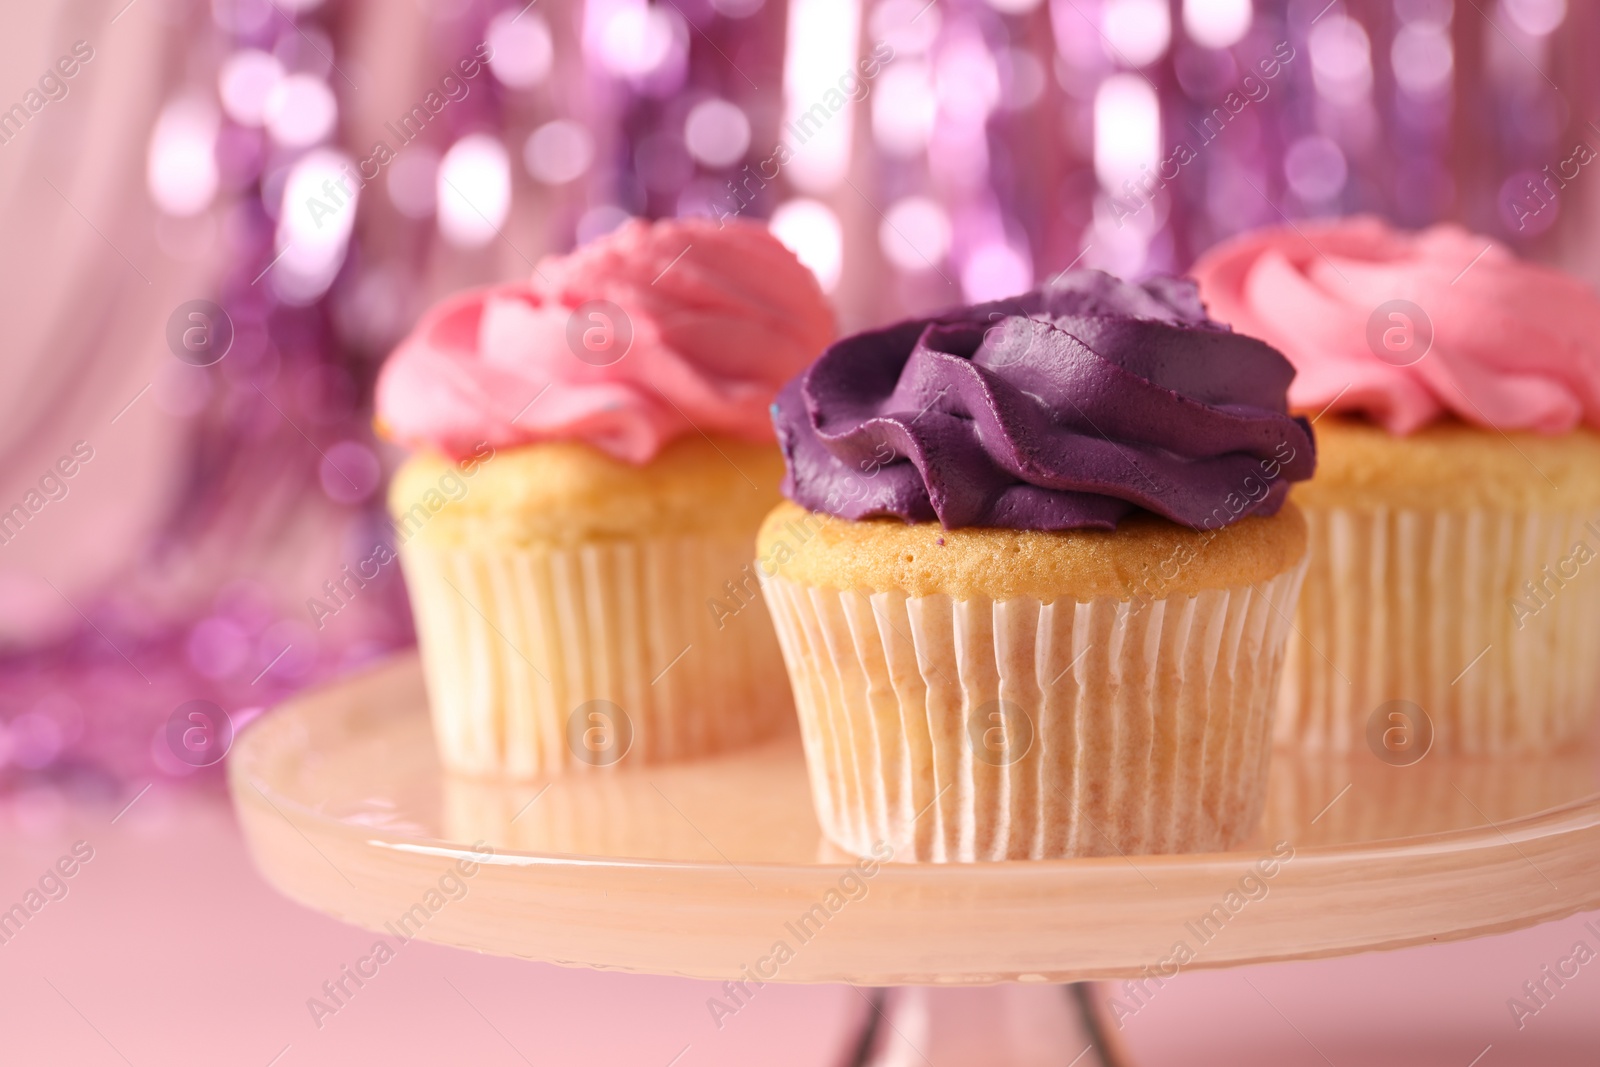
x=1034 y=574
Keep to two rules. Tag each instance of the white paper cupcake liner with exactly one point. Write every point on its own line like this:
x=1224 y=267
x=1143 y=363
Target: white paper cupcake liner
x=1120 y=730
x=514 y=643
x=1420 y=606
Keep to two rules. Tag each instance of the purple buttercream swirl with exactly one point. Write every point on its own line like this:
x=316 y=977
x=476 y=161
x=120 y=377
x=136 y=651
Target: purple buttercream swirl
x=1067 y=407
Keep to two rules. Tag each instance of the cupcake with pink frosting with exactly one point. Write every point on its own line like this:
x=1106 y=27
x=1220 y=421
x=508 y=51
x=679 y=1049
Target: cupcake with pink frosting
x=592 y=458
x=1453 y=593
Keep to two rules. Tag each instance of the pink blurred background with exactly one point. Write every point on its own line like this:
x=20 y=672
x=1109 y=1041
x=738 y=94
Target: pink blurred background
x=148 y=163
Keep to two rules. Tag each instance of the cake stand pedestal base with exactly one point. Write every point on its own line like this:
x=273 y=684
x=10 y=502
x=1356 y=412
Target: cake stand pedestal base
x=699 y=869
x=987 y=1026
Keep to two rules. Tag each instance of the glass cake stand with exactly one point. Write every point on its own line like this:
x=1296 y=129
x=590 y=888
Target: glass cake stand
x=716 y=870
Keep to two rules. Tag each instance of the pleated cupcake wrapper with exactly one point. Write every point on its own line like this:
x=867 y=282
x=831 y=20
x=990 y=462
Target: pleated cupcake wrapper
x=1147 y=729
x=515 y=641
x=1420 y=606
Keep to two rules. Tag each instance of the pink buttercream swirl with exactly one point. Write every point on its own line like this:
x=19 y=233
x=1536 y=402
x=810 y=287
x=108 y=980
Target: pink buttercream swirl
x=720 y=318
x=1514 y=345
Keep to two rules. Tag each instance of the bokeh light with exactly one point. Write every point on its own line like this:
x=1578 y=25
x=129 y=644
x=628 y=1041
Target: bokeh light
x=1216 y=23
x=315 y=218
x=300 y=110
x=521 y=49
x=993 y=271
x=820 y=51
x=474 y=190
x=349 y=472
x=558 y=152
x=638 y=39
x=904 y=108
x=1536 y=18
x=811 y=230
x=181 y=166
x=1136 y=31
x=1014 y=7
x=242 y=17
x=1127 y=130
x=966 y=82
x=915 y=234
x=1315 y=169
x=717 y=133
x=246 y=80
x=908 y=26
x=1422 y=58
x=1341 y=59
x=1022 y=78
